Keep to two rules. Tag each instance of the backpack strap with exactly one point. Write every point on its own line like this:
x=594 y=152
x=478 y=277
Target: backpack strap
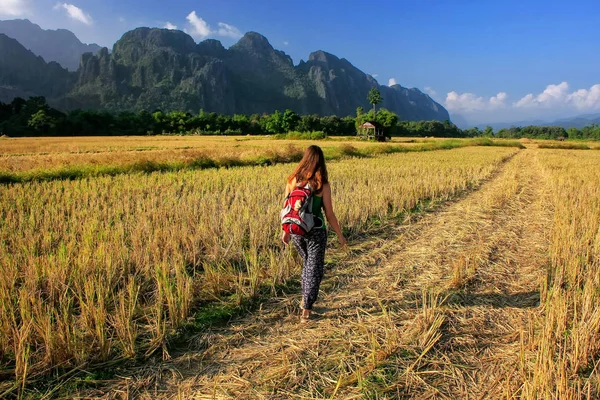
x=307 y=186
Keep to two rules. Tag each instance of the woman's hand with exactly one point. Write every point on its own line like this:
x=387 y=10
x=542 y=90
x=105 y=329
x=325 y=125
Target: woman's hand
x=343 y=241
x=285 y=238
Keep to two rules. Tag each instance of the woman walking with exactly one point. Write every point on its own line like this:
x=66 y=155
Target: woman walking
x=312 y=171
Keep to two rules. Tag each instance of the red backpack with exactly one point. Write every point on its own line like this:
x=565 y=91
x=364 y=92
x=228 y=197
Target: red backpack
x=297 y=214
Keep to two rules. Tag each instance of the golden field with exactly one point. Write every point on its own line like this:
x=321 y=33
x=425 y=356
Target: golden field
x=494 y=292
x=43 y=159
x=27 y=154
x=97 y=144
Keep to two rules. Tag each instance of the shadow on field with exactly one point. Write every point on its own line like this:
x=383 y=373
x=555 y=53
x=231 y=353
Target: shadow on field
x=496 y=300
x=452 y=299
x=463 y=298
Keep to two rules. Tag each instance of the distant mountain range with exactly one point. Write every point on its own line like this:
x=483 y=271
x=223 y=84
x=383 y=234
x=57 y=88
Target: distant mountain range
x=59 y=45
x=166 y=69
x=23 y=73
x=578 y=122
x=573 y=122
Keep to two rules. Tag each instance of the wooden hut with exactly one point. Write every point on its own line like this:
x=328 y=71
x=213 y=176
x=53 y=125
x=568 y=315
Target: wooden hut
x=371 y=130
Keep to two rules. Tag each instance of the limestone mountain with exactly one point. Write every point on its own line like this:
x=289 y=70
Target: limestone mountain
x=165 y=69
x=22 y=73
x=412 y=104
x=264 y=77
x=154 y=69
x=340 y=86
x=59 y=45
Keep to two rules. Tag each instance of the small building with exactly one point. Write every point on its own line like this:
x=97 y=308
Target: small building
x=371 y=130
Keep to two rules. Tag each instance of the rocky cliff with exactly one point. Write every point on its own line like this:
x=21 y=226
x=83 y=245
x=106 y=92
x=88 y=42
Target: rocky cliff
x=165 y=69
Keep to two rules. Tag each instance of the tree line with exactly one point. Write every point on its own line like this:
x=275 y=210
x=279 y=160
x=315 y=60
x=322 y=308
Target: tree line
x=591 y=132
x=34 y=117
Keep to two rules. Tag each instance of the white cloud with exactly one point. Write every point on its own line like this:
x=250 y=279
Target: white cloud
x=374 y=75
x=169 y=25
x=122 y=20
x=499 y=100
x=227 y=30
x=554 y=93
x=464 y=102
x=526 y=101
x=472 y=102
x=75 y=13
x=555 y=96
x=555 y=101
x=392 y=82
x=286 y=43
x=429 y=90
x=14 y=8
x=200 y=29
x=586 y=98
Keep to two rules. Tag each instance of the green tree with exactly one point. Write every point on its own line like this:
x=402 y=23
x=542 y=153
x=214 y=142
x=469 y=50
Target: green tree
x=290 y=121
x=127 y=123
x=360 y=118
x=41 y=122
x=241 y=122
x=177 y=121
x=473 y=132
x=145 y=122
x=255 y=126
x=574 y=133
x=386 y=118
x=274 y=123
x=374 y=97
x=309 y=123
x=488 y=132
x=160 y=122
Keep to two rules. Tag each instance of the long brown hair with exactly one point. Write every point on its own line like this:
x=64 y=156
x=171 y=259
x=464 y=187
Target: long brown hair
x=311 y=169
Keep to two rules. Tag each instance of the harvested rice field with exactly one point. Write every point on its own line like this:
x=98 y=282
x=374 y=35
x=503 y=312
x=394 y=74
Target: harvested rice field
x=472 y=271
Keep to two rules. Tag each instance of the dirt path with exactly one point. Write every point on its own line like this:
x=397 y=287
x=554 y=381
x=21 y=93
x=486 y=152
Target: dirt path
x=437 y=312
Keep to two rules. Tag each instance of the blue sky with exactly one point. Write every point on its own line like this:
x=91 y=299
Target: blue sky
x=487 y=60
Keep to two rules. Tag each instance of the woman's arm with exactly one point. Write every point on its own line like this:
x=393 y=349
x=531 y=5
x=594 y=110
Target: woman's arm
x=285 y=237
x=289 y=186
x=331 y=218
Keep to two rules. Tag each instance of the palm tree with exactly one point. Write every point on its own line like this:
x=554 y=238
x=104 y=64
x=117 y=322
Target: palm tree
x=374 y=97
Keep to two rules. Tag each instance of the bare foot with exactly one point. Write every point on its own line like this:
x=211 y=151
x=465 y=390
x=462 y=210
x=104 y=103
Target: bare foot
x=305 y=316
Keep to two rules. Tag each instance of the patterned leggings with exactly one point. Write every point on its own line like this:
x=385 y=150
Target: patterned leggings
x=312 y=249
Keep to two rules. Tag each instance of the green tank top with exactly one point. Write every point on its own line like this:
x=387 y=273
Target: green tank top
x=318 y=208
